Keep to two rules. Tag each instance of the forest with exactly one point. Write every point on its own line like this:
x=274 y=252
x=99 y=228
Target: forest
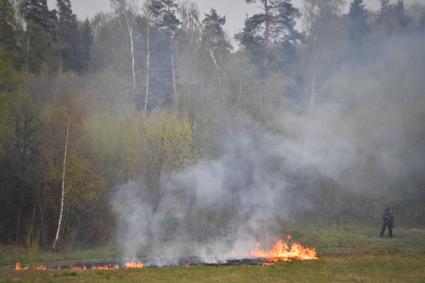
x=151 y=125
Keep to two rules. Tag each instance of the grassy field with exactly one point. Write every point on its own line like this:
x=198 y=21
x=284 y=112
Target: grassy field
x=346 y=255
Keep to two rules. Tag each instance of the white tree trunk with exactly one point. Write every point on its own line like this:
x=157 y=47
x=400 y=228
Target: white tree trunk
x=28 y=49
x=63 y=187
x=133 y=60
x=173 y=70
x=313 y=80
x=148 y=58
x=219 y=75
x=313 y=90
x=267 y=25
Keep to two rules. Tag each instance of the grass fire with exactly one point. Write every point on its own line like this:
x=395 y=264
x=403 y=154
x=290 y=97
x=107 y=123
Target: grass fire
x=281 y=252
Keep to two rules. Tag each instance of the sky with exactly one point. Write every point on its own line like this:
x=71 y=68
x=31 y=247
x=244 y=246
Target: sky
x=235 y=11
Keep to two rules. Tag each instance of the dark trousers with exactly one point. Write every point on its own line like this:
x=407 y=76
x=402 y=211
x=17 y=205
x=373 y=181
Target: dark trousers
x=390 y=229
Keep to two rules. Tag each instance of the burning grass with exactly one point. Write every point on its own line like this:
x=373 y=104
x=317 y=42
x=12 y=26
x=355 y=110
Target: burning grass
x=282 y=251
x=348 y=254
x=81 y=266
x=399 y=267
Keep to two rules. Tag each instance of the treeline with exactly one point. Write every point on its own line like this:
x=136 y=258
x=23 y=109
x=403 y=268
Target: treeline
x=145 y=90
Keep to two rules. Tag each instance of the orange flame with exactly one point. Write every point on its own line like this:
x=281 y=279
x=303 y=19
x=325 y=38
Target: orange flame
x=18 y=266
x=96 y=267
x=282 y=251
x=129 y=265
x=41 y=268
x=105 y=267
x=134 y=265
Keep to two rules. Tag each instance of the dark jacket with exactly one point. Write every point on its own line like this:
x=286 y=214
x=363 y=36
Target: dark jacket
x=388 y=219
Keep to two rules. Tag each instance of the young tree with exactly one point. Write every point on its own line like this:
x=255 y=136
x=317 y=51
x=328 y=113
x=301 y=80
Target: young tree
x=67 y=170
x=62 y=202
x=159 y=145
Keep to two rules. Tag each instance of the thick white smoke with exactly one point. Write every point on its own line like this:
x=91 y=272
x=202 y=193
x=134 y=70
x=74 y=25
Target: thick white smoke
x=362 y=135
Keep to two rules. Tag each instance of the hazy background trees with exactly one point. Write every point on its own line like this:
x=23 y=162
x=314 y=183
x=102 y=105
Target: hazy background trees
x=149 y=90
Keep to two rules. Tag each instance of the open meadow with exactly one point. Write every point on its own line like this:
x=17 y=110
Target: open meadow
x=350 y=254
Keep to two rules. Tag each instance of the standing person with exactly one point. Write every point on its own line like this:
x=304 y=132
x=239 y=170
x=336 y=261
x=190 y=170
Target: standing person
x=388 y=220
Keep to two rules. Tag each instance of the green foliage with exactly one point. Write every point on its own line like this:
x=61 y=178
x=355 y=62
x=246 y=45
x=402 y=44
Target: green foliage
x=109 y=144
x=9 y=27
x=83 y=186
x=10 y=77
x=4 y=103
x=160 y=143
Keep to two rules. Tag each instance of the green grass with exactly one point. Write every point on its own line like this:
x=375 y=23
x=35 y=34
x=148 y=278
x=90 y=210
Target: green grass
x=346 y=255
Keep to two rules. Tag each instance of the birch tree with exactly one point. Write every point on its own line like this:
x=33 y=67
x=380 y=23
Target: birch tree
x=128 y=10
x=67 y=167
x=317 y=15
x=62 y=201
x=148 y=50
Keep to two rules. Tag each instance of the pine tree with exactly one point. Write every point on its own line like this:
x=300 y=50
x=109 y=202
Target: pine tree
x=10 y=48
x=40 y=33
x=357 y=17
x=393 y=17
x=264 y=18
x=86 y=45
x=283 y=34
x=68 y=36
x=163 y=13
x=401 y=14
x=213 y=35
x=271 y=32
x=36 y=11
x=251 y=40
x=215 y=43
x=385 y=4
